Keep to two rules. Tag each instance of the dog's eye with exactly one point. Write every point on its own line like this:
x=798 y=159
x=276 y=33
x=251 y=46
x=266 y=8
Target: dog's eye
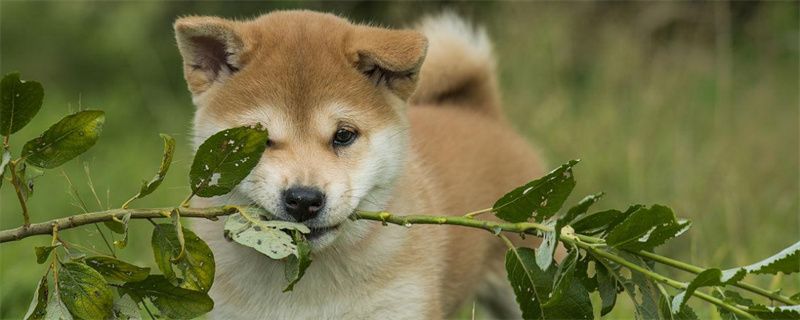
x=344 y=137
x=270 y=143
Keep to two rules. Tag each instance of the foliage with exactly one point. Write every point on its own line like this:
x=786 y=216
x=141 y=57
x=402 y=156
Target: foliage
x=609 y=252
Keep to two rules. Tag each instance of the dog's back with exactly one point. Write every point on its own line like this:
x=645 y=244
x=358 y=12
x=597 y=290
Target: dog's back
x=460 y=133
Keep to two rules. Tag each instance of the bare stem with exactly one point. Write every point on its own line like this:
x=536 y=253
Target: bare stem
x=108 y=215
x=18 y=185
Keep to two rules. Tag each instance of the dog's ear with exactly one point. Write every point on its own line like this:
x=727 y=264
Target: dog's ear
x=390 y=58
x=212 y=49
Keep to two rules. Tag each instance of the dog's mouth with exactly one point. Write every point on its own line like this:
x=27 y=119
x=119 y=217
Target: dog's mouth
x=317 y=233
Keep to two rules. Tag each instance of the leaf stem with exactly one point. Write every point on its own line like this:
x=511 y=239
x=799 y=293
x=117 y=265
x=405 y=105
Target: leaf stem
x=23 y=202
x=477 y=212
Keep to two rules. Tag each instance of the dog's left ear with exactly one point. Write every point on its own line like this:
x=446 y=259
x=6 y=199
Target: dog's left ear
x=212 y=48
x=390 y=58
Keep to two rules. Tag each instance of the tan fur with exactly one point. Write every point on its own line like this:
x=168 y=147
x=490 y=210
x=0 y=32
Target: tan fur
x=305 y=74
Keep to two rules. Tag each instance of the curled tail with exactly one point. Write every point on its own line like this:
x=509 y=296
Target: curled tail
x=459 y=69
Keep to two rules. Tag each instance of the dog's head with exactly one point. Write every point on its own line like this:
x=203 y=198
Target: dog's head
x=332 y=96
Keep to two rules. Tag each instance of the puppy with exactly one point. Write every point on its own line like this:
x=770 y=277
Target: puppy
x=359 y=118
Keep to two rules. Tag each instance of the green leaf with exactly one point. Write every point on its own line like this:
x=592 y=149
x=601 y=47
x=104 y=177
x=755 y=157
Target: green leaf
x=707 y=278
x=710 y=277
x=166 y=160
x=117 y=270
x=562 y=222
x=786 y=261
x=643 y=293
x=38 y=307
x=539 y=199
x=66 y=139
x=125 y=308
x=84 y=291
x=666 y=306
x=196 y=265
x=532 y=285
x=731 y=297
x=126 y=218
x=266 y=237
x=42 y=253
x=607 y=287
x=795 y=297
x=563 y=278
x=599 y=222
x=173 y=302
x=297 y=263
x=225 y=159
x=645 y=228
x=581 y=208
x=777 y=312
x=20 y=101
x=56 y=310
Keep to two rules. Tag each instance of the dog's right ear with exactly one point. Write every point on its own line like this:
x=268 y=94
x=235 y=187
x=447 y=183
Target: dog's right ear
x=212 y=49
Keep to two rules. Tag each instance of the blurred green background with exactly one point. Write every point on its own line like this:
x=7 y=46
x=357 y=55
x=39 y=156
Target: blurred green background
x=693 y=105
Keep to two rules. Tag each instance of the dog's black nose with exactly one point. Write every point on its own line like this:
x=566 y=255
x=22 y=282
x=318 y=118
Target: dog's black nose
x=303 y=203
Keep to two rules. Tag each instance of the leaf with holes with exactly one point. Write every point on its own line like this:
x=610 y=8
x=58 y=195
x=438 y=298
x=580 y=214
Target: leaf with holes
x=196 y=265
x=643 y=293
x=297 y=263
x=538 y=199
x=117 y=270
x=607 y=287
x=84 y=291
x=266 y=237
x=775 y=312
x=635 y=232
x=166 y=160
x=572 y=214
x=20 y=101
x=173 y=302
x=225 y=159
x=598 y=223
x=65 y=140
x=563 y=278
x=38 y=308
x=787 y=261
x=532 y=286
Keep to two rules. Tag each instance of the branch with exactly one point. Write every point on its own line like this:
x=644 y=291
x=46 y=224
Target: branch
x=532 y=228
x=108 y=215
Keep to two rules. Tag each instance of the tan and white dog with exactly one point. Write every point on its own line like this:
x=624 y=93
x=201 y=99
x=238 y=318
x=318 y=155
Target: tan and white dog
x=357 y=121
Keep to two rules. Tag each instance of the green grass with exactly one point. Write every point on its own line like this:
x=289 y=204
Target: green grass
x=689 y=105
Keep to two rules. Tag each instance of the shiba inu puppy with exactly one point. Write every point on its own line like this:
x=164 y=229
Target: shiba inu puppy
x=360 y=118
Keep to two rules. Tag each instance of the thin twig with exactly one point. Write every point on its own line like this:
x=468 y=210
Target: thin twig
x=108 y=215
x=23 y=202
